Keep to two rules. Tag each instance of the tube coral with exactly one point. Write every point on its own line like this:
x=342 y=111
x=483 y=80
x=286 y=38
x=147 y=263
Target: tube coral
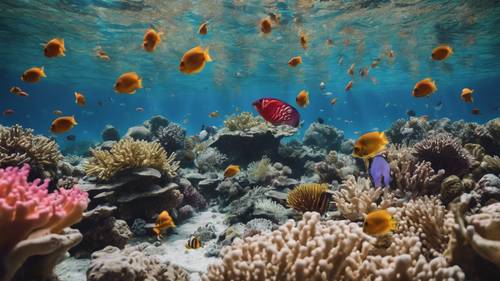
x=128 y=154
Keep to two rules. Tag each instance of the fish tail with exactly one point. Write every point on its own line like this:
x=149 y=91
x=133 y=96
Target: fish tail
x=42 y=70
x=139 y=83
x=208 y=58
x=73 y=119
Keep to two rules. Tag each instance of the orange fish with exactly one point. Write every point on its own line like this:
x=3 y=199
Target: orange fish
x=302 y=98
x=164 y=221
x=303 y=40
x=350 y=71
x=194 y=60
x=33 y=75
x=424 y=88
x=369 y=145
x=63 y=124
x=214 y=114
x=333 y=101
x=475 y=111
x=467 y=95
x=379 y=222
x=151 y=40
x=231 y=171
x=293 y=62
x=128 y=83
x=100 y=53
x=442 y=52
x=54 y=48
x=203 y=29
x=79 y=99
x=57 y=112
x=348 y=86
x=8 y=112
x=265 y=26
x=18 y=92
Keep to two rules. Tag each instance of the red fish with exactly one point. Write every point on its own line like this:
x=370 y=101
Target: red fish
x=8 y=112
x=277 y=112
x=349 y=86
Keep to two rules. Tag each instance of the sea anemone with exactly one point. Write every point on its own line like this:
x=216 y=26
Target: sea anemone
x=308 y=197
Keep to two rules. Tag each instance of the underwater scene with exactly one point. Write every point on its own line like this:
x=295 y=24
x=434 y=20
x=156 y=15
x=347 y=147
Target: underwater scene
x=249 y=140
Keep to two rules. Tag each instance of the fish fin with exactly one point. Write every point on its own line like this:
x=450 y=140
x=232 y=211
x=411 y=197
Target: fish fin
x=73 y=119
x=42 y=70
x=208 y=58
x=139 y=82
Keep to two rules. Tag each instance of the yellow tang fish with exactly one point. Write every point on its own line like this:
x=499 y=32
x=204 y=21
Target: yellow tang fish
x=379 y=222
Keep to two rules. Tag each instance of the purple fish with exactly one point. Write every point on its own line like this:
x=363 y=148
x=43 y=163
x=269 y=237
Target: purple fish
x=379 y=170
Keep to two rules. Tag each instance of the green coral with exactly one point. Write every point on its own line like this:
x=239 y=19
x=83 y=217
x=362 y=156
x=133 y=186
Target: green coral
x=127 y=154
x=243 y=121
x=19 y=145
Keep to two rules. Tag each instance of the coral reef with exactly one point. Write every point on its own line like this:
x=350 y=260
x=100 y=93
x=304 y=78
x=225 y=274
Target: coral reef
x=110 y=133
x=35 y=222
x=308 y=197
x=271 y=210
x=356 y=198
x=19 y=145
x=210 y=160
x=171 y=137
x=139 y=133
x=323 y=136
x=127 y=154
x=100 y=229
x=336 y=167
x=451 y=187
x=444 y=152
x=332 y=250
x=264 y=172
x=243 y=121
x=242 y=209
x=132 y=264
x=194 y=198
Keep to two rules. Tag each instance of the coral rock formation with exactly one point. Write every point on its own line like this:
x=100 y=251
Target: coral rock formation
x=323 y=136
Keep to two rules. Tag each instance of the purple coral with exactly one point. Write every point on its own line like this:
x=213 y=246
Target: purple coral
x=194 y=198
x=444 y=152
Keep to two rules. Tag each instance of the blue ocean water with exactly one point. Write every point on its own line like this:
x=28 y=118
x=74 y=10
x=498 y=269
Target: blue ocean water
x=246 y=64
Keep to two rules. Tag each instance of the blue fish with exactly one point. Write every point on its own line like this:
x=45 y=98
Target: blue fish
x=380 y=171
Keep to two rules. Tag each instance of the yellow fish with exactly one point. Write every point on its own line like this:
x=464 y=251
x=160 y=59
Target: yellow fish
x=193 y=243
x=164 y=221
x=369 y=145
x=151 y=40
x=62 y=124
x=467 y=95
x=54 y=48
x=379 y=222
x=33 y=74
x=194 y=60
x=424 y=88
x=128 y=83
x=231 y=171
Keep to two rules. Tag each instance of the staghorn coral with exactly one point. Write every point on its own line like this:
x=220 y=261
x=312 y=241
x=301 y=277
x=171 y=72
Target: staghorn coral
x=210 y=160
x=18 y=146
x=355 y=199
x=425 y=217
x=444 y=152
x=332 y=250
x=35 y=222
x=171 y=137
x=127 y=154
x=243 y=121
x=412 y=177
x=307 y=197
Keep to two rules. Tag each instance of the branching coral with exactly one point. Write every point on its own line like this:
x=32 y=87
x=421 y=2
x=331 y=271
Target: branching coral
x=32 y=221
x=444 y=152
x=127 y=154
x=355 y=199
x=308 y=197
x=171 y=137
x=209 y=160
x=243 y=121
x=332 y=250
x=19 y=146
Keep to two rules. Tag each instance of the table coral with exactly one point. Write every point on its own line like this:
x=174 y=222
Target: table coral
x=32 y=221
x=127 y=154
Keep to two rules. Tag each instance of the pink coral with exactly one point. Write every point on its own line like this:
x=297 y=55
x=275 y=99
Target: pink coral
x=28 y=210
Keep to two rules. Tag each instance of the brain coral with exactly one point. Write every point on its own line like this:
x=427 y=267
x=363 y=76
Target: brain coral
x=128 y=154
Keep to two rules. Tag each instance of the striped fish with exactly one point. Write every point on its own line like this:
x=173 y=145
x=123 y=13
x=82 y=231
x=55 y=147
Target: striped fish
x=277 y=112
x=193 y=243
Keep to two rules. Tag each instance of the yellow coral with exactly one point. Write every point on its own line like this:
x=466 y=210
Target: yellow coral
x=243 y=121
x=307 y=197
x=127 y=154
